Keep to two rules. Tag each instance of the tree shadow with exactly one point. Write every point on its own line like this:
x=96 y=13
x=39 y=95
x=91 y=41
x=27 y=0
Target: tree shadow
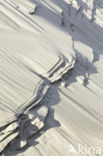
x=76 y=24
x=78 y=31
x=72 y=23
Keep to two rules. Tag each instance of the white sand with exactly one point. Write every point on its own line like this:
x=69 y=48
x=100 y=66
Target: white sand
x=41 y=42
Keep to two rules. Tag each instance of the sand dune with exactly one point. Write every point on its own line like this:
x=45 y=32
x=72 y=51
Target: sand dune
x=51 y=77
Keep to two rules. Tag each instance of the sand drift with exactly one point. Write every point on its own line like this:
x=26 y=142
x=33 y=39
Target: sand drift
x=29 y=63
x=51 y=52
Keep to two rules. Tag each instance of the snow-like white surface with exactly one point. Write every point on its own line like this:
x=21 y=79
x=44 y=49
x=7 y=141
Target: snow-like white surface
x=41 y=42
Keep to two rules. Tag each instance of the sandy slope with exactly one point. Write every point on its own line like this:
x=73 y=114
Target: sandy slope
x=30 y=61
x=40 y=41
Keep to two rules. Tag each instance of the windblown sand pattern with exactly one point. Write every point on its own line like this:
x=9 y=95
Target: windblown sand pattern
x=51 y=58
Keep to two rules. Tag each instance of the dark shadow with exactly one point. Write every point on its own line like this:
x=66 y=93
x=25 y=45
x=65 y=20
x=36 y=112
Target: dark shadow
x=25 y=130
x=50 y=122
x=85 y=69
x=72 y=26
x=80 y=29
x=54 y=99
